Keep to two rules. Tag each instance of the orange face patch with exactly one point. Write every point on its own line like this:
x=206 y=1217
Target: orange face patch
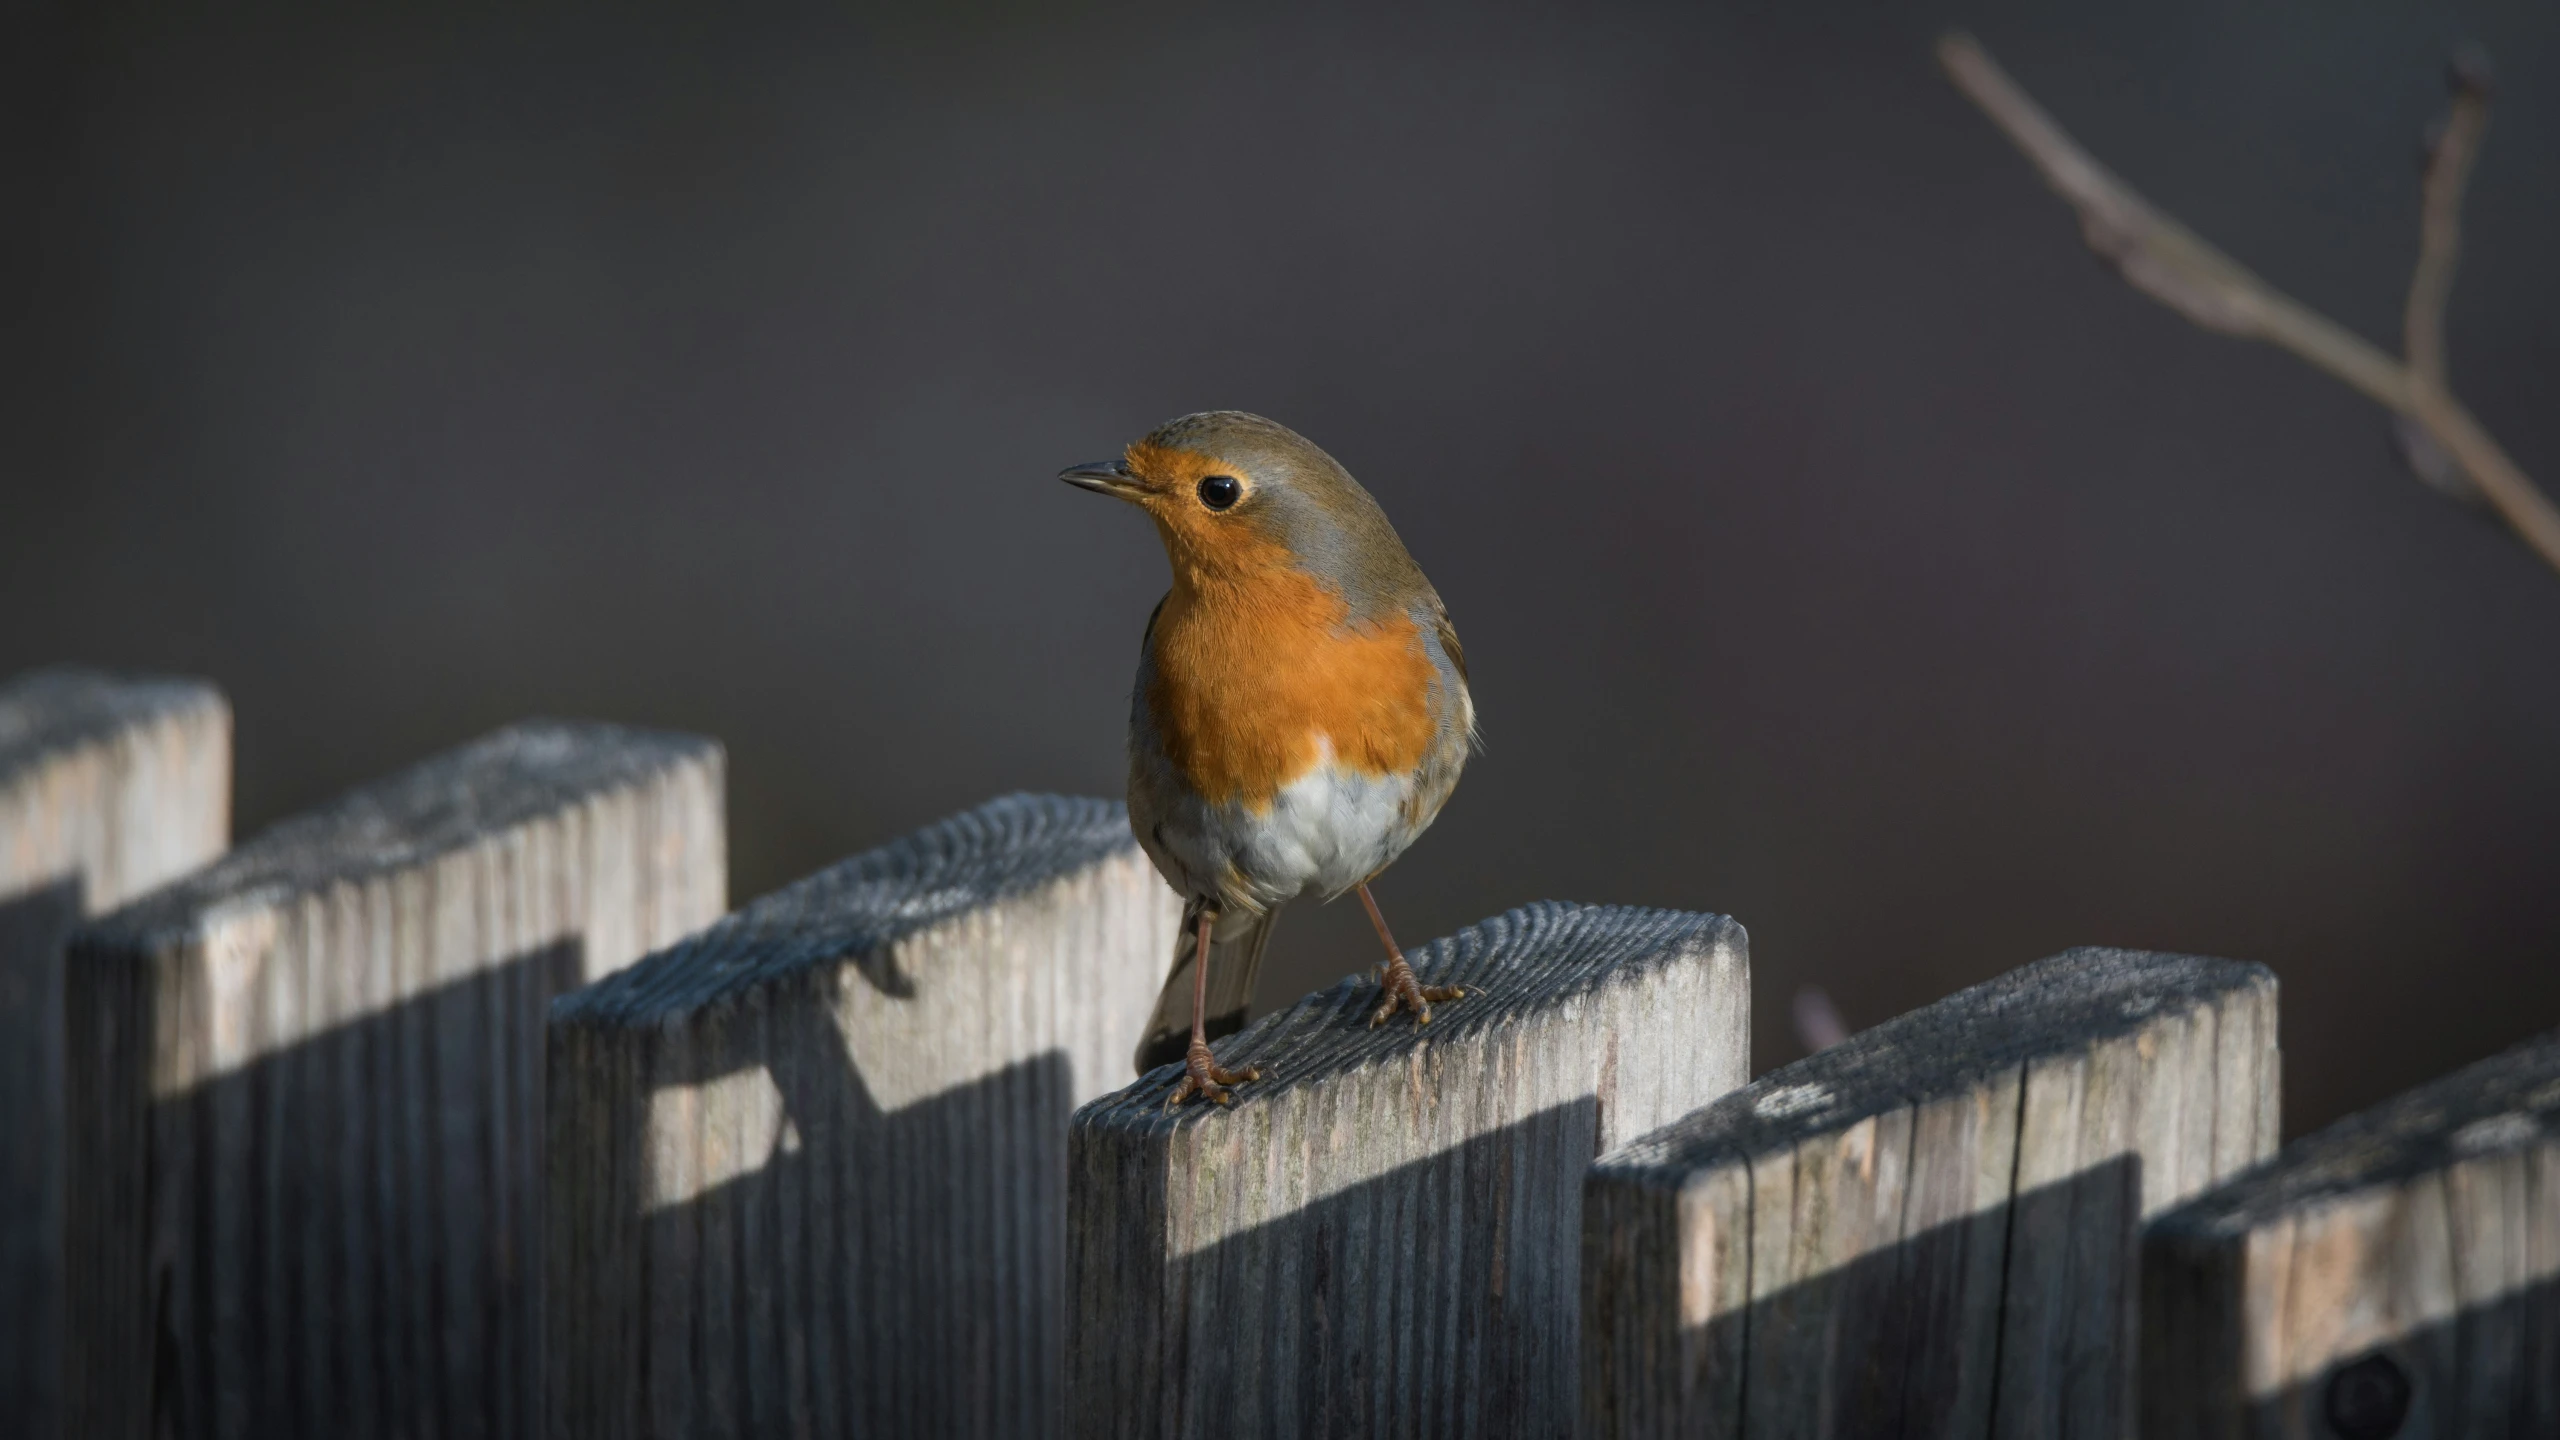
x=1257 y=665
x=1190 y=528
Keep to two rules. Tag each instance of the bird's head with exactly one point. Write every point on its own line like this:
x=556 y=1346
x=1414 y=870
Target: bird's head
x=1233 y=493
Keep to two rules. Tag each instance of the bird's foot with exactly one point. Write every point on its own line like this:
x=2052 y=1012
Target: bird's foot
x=1401 y=991
x=1202 y=1076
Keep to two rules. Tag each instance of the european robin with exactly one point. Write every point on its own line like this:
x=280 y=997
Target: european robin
x=1300 y=715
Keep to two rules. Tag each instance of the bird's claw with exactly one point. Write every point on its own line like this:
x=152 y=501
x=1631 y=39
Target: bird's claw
x=1202 y=1076
x=1402 y=991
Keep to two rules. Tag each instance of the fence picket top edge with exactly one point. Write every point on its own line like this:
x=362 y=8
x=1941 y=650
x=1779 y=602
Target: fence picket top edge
x=853 y=911
x=443 y=804
x=1528 y=959
x=2500 y=1105
x=46 y=712
x=2055 y=1006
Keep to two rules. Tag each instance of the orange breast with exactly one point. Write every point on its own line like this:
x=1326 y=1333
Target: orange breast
x=1255 y=669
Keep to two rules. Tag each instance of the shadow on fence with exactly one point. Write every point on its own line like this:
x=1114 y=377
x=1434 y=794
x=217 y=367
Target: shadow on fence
x=2493 y=1368
x=1942 y=1331
x=331 y=1217
x=898 y=1272
x=33 y=926
x=1462 y=1269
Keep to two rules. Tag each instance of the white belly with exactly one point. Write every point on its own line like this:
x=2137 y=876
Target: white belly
x=1324 y=832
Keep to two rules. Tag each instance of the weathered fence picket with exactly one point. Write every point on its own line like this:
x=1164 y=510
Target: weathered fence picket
x=808 y=1168
x=1381 y=1236
x=109 y=785
x=304 y=1089
x=1931 y=1228
x=2396 y=1274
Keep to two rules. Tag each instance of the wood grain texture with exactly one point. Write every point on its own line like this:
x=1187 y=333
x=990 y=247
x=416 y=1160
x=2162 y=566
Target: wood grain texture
x=305 y=1088
x=1929 y=1229
x=109 y=785
x=2397 y=1273
x=808 y=1169
x=1381 y=1237
x=122 y=781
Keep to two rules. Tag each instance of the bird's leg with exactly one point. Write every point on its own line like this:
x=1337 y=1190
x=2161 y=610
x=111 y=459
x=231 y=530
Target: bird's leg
x=1200 y=1073
x=1402 y=990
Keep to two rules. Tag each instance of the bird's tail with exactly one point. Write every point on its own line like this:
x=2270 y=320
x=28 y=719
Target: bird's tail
x=1232 y=967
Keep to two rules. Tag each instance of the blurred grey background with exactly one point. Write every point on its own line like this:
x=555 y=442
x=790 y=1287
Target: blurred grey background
x=1835 y=543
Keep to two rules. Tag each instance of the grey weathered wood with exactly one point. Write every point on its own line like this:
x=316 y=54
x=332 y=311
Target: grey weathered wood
x=1381 y=1237
x=109 y=785
x=2416 y=1244
x=305 y=1088
x=1930 y=1229
x=808 y=1169
x=121 y=781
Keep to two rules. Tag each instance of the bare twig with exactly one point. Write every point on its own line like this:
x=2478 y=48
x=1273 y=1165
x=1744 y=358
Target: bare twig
x=2159 y=256
x=2175 y=266
x=1818 y=1022
x=2450 y=151
x=2449 y=156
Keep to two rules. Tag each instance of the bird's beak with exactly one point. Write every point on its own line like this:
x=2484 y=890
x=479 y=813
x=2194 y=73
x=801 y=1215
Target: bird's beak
x=1104 y=477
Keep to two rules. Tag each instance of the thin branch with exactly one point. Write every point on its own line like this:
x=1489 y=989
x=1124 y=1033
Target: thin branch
x=2177 y=267
x=1818 y=1022
x=2450 y=152
x=2159 y=256
x=2449 y=159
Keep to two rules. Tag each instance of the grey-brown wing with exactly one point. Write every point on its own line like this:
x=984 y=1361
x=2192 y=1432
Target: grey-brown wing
x=1448 y=634
x=1233 y=964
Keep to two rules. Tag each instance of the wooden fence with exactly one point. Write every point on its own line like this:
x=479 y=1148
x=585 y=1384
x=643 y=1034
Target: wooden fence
x=108 y=788
x=296 y=1158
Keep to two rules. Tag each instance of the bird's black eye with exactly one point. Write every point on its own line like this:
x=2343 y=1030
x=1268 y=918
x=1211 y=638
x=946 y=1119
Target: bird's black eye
x=1220 y=491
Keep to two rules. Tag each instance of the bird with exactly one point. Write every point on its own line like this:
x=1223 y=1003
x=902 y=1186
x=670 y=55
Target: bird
x=1299 y=718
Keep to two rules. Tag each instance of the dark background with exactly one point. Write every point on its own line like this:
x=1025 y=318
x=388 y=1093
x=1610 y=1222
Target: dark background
x=1835 y=543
